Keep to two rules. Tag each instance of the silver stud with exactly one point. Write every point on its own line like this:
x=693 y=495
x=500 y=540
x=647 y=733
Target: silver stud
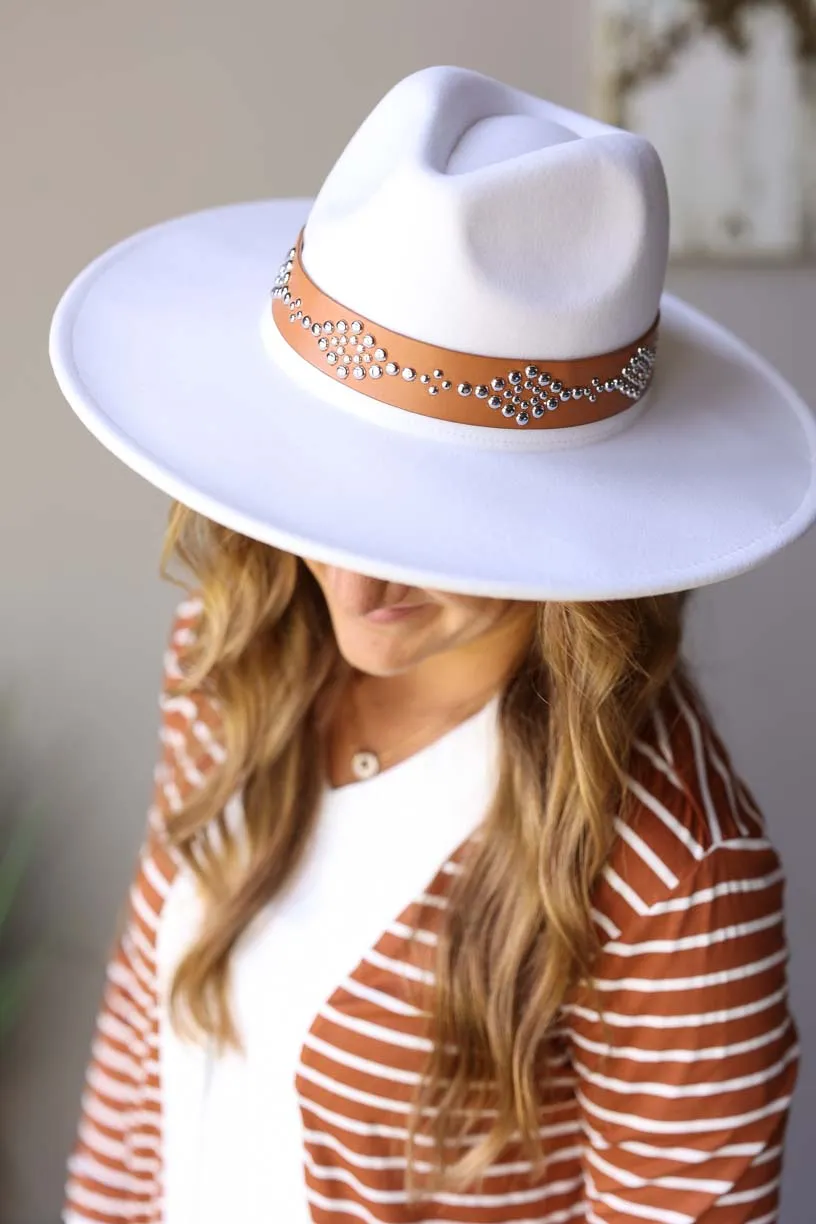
x=380 y=354
x=593 y=399
x=366 y=356
x=538 y=411
x=357 y=359
x=556 y=386
x=597 y=384
x=359 y=372
x=508 y=410
x=323 y=344
x=424 y=378
x=531 y=371
x=360 y=348
x=553 y=402
x=516 y=400
x=515 y=377
x=447 y=384
x=437 y=373
x=612 y=385
x=287 y=297
x=482 y=392
x=535 y=400
x=342 y=326
x=494 y=401
x=565 y=395
x=328 y=327
x=433 y=390
x=292 y=318
x=334 y=342
x=409 y=374
x=392 y=368
x=509 y=393
x=528 y=386
x=498 y=384
x=544 y=380
x=306 y=322
x=292 y=252
x=465 y=389
x=298 y=302
x=316 y=329
x=376 y=371
x=356 y=327
x=577 y=393
x=522 y=419
x=331 y=358
x=368 y=341
x=342 y=372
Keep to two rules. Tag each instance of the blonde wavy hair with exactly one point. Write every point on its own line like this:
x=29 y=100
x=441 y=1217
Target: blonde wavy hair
x=518 y=932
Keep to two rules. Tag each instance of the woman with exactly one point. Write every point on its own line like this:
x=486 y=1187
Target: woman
x=452 y=906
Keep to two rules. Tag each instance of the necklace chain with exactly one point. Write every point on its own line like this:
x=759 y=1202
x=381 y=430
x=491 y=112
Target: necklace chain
x=366 y=761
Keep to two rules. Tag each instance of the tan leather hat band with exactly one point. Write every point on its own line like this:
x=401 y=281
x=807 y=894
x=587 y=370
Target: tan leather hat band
x=459 y=387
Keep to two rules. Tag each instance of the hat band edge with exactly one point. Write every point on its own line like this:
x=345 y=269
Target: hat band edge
x=461 y=388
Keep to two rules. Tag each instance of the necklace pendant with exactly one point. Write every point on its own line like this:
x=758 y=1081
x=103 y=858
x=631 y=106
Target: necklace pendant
x=365 y=764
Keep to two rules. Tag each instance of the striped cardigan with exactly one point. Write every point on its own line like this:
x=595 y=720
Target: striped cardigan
x=669 y=1105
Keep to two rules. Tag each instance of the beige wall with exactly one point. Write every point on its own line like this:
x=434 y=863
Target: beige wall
x=114 y=116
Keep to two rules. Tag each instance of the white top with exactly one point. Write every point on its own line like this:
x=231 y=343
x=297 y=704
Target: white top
x=232 y=1127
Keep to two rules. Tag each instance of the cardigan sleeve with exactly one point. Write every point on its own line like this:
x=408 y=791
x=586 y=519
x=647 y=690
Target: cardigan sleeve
x=686 y=1053
x=115 y=1170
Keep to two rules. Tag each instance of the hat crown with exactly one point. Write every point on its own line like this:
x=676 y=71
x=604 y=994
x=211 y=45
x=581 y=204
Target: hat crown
x=475 y=217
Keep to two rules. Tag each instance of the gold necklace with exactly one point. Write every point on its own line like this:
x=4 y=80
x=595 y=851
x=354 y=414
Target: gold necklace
x=366 y=762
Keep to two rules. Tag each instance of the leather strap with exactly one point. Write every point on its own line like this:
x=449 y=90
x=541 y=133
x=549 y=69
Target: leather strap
x=463 y=388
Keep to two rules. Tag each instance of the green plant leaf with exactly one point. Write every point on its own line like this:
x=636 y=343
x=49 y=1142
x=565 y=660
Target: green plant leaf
x=14 y=986
x=15 y=858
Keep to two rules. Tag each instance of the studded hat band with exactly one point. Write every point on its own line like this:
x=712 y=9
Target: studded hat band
x=460 y=387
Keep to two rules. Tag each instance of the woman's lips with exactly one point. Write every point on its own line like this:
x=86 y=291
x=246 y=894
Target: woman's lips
x=385 y=616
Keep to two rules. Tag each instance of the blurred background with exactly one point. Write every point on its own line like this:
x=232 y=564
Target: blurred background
x=115 y=116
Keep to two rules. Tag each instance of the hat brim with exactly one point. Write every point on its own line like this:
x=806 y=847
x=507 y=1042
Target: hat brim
x=157 y=347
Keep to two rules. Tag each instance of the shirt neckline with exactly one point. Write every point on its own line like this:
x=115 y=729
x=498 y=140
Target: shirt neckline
x=441 y=747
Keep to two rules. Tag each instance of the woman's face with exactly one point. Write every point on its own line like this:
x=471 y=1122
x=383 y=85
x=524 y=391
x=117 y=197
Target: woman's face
x=385 y=628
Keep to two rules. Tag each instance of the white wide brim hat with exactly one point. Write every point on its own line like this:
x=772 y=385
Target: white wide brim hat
x=165 y=348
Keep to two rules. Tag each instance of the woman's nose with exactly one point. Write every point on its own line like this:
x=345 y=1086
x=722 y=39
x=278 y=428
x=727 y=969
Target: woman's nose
x=357 y=594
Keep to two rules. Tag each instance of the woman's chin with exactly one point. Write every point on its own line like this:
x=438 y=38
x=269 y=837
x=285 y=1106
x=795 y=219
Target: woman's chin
x=378 y=650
